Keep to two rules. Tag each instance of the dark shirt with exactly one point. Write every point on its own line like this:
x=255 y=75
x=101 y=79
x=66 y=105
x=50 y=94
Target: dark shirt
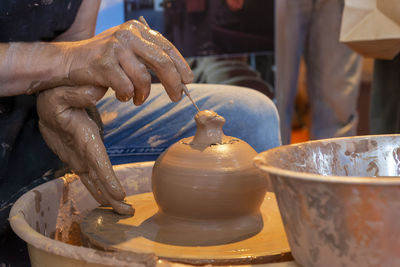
x=24 y=156
x=35 y=20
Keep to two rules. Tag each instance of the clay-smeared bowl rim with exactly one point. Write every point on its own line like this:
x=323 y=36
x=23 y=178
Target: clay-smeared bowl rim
x=21 y=227
x=260 y=162
x=37 y=240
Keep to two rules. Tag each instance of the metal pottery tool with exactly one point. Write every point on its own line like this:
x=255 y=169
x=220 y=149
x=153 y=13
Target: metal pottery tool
x=191 y=99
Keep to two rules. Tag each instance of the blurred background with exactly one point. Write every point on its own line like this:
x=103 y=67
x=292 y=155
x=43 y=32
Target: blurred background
x=227 y=42
x=224 y=41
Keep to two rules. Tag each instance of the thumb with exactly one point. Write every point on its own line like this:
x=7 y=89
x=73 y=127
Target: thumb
x=83 y=96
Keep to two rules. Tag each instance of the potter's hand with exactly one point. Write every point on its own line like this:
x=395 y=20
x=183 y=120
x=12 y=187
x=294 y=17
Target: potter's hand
x=119 y=58
x=75 y=138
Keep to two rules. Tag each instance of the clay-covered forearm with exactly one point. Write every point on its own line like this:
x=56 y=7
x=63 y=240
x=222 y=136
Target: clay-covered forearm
x=117 y=58
x=31 y=67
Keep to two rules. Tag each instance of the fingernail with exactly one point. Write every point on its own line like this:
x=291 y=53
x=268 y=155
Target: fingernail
x=123 y=98
x=124 y=208
x=138 y=100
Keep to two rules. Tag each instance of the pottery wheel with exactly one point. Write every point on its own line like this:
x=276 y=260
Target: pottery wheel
x=195 y=242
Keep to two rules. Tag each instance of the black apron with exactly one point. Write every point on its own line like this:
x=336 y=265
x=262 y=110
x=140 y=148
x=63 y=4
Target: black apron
x=25 y=159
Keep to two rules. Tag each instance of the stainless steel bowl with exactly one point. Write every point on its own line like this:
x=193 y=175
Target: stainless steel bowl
x=339 y=199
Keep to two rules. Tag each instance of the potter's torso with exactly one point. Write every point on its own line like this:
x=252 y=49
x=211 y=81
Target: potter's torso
x=26 y=21
x=35 y=20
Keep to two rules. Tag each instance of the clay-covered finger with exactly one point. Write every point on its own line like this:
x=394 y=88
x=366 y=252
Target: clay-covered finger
x=90 y=147
x=138 y=74
x=158 y=39
x=91 y=187
x=99 y=163
x=110 y=200
x=155 y=58
x=122 y=208
x=118 y=205
x=121 y=84
x=107 y=177
x=105 y=72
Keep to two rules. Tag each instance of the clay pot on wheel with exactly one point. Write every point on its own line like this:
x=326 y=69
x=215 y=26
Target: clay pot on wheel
x=210 y=177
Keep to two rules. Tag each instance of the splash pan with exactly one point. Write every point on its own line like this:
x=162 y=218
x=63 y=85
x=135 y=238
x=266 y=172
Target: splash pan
x=55 y=210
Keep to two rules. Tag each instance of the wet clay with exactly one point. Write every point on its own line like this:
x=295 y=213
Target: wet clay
x=205 y=206
x=117 y=58
x=189 y=241
x=38 y=199
x=209 y=129
x=208 y=176
x=68 y=218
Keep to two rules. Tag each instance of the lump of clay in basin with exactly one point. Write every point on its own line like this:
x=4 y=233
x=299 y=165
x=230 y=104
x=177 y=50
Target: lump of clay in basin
x=209 y=176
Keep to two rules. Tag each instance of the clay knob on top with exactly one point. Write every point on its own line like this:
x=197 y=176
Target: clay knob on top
x=209 y=128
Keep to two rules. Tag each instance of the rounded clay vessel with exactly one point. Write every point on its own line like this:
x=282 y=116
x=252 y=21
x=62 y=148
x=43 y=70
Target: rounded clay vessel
x=208 y=176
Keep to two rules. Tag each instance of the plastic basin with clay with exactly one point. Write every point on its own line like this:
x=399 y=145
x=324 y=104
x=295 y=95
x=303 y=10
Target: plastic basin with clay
x=339 y=199
x=64 y=201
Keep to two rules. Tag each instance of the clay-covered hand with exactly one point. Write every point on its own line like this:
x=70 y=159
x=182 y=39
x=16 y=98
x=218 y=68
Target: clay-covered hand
x=75 y=138
x=119 y=58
